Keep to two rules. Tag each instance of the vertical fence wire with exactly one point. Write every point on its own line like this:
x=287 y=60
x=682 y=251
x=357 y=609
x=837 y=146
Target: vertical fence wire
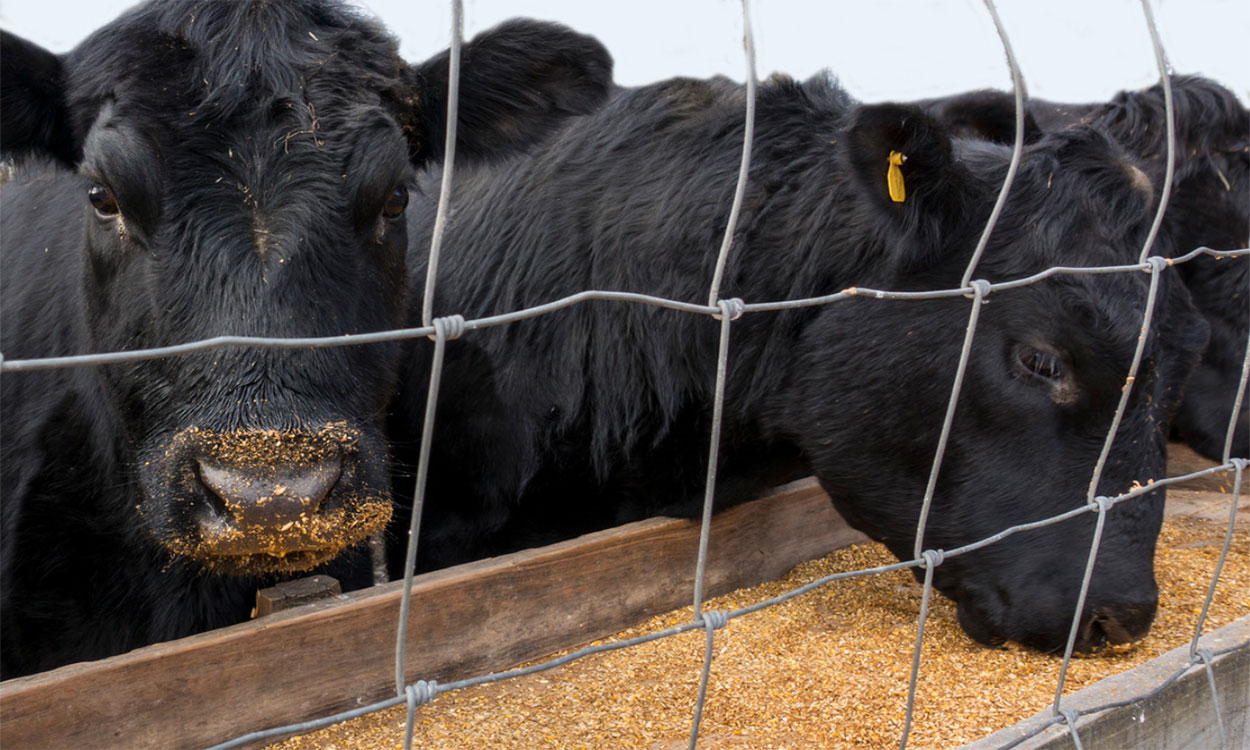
x=1165 y=78
x=1239 y=465
x=711 y=622
x=748 y=138
x=445 y=328
x=979 y=288
x=1103 y=506
x=932 y=559
x=1019 y=93
x=1204 y=655
x=1239 y=399
x=449 y=158
x=729 y=311
x=440 y=337
x=1157 y=267
x=1161 y=60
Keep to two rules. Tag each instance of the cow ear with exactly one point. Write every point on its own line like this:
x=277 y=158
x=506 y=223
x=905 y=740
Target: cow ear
x=1206 y=114
x=986 y=115
x=518 y=82
x=34 y=120
x=919 y=194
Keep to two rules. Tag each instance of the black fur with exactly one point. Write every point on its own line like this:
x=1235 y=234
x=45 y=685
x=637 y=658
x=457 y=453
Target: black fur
x=1209 y=207
x=247 y=156
x=600 y=414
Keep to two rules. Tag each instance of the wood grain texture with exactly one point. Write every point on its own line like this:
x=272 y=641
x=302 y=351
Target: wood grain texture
x=1182 y=460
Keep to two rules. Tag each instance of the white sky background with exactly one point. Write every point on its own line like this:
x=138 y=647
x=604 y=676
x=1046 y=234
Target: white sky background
x=1069 y=50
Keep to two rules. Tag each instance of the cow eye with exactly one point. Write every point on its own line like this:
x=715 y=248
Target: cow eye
x=102 y=200
x=396 y=202
x=1042 y=364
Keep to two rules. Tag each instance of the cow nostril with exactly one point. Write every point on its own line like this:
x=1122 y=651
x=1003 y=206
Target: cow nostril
x=1113 y=631
x=1091 y=636
x=269 y=498
x=1114 y=626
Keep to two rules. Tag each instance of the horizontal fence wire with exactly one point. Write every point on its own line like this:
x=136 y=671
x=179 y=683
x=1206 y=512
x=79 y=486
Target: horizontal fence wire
x=490 y=321
x=728 y=311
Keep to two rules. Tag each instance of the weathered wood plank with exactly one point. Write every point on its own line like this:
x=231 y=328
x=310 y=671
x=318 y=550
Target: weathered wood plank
x=484 y=616
x=1182 y=460
x=1180 y=716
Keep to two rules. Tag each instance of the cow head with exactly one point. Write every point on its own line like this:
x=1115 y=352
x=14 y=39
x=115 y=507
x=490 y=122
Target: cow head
x=1209 y=206
x=1046 y=371
x=245 y=168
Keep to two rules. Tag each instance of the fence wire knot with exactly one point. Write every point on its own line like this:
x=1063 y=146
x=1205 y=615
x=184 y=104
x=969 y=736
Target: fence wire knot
x=933 y=557
x=1104 y=503
x=1157 y=263
x=420 y=693
x=450 y=328
x=715 y=620
x=1239 y=464
x=733 y=308
x=1204 y=656
x=1070 y=716
x=980 y=289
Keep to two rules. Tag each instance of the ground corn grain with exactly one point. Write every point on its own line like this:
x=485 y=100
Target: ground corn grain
x=826 y=670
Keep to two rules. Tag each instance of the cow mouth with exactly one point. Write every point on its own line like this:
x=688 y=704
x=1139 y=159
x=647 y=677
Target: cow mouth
x=975 y=623
x=1098 y=628
x=1101 y=628
x=265 y=501
x=295 y=546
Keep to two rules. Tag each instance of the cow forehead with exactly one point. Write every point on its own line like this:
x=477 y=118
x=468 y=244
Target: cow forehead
x=241 y=100
x=204 y=64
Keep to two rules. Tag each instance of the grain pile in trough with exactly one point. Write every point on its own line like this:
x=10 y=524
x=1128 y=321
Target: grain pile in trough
x=826 y=670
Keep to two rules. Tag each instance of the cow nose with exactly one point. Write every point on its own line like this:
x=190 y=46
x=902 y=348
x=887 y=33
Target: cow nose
x=271 y=498
x=1114 y=624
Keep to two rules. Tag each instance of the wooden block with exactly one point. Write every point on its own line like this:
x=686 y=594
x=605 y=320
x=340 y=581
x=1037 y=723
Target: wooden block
x=290 y=594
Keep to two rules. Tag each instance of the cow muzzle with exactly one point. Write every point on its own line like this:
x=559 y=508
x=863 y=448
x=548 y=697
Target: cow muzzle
x=1042 y=619
x=268 y=501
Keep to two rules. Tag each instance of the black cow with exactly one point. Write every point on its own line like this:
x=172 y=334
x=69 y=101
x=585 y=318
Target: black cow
x=204 y=168
x=1209 y=207
x=600 y=413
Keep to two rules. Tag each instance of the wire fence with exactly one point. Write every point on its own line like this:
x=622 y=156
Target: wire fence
x=727 y=311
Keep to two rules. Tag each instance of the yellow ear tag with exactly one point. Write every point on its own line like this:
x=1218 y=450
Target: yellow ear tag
x=895 y=177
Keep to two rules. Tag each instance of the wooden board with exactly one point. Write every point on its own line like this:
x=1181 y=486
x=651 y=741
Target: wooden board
x=1182 y=460
x=469 y=620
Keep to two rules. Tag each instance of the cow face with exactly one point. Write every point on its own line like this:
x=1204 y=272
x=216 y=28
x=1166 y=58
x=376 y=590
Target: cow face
x=1209 y=206
x=1046 y=372
x=244 y=170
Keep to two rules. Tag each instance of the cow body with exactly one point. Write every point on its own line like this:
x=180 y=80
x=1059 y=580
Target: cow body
x=1209 y=207
x=201 y=169
x=600 y=413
